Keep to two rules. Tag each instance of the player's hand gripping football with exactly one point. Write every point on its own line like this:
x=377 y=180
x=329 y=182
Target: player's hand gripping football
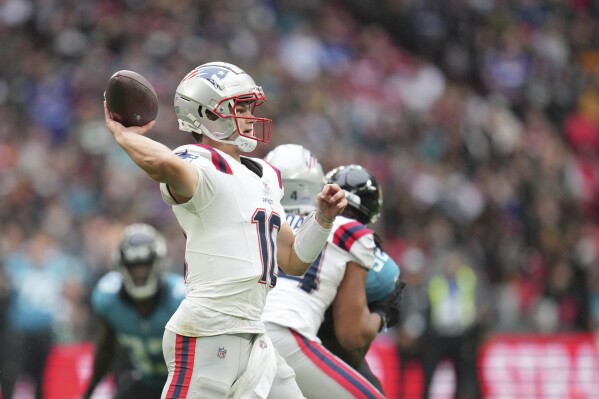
x=117 y=128
x=390 y=306
x=331 y=202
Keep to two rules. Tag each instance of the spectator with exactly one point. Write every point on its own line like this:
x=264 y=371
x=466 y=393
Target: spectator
x=37 y=274
x=562 y=305
x=4 y=304
x=455 y=327
x=415 y=305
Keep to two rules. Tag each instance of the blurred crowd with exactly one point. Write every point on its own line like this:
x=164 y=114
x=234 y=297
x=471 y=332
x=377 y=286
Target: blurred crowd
x=480 y=119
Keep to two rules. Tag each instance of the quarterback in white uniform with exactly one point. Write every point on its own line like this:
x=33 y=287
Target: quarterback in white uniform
x=232 y=248
x=228 y=206
x=295 y=308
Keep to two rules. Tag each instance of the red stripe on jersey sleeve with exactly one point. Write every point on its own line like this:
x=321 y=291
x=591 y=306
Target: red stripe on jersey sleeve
x=347 y=234
x=218 y=160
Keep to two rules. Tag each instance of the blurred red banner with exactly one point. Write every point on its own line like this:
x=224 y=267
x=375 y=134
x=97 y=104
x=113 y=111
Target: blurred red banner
x=511 y=366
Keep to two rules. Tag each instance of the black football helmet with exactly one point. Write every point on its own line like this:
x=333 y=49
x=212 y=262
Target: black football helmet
x=363 y=193
x=141 y=244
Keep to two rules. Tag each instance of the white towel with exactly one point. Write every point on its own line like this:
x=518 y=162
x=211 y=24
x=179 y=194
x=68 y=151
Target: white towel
x=256 y=381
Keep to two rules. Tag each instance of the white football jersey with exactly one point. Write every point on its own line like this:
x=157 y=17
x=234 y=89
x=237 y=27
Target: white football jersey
x=231 y=225
x=300 y=302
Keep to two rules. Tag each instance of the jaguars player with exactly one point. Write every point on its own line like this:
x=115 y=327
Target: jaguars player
x=296 y=308
x=133 y=304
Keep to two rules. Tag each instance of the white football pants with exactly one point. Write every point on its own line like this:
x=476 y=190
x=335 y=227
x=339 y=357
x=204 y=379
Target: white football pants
x=319 y=373
x=210 y=367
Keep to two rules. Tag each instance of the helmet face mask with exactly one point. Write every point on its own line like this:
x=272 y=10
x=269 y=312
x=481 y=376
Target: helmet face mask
x=363 y=193
x=261 y=127
x=207 y=102
x=140 y=272
x=140 y=259
x=302 y=177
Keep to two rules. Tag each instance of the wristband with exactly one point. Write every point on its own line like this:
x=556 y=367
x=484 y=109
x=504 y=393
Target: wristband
x=310 y=239
x=324 y=218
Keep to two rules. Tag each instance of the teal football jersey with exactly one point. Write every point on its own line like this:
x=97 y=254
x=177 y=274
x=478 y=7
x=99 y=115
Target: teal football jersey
x=382 y=277
x=141 y=336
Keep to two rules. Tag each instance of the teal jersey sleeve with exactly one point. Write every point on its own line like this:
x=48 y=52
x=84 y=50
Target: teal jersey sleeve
x=106 y=293
x=382 y=277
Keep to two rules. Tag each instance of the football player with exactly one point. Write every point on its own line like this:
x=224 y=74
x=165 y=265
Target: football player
x=228 y=206
x=383 y=290
x=338 y=278
x=133 y=304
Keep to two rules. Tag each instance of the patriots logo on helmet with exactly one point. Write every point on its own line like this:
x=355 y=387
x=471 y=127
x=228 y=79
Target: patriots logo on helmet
x=213 y=74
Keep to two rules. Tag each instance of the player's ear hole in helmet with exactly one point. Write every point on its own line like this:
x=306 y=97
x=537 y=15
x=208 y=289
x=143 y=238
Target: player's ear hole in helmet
x=363 y=193
x=140 y=258
x=209 y=114
x=301 y=174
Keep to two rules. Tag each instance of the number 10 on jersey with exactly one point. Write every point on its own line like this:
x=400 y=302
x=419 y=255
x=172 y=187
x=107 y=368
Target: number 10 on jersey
x=265 y=228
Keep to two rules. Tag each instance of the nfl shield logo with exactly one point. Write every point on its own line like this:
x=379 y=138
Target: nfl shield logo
x=222 y=353
x=266 y=188
x=262 y=344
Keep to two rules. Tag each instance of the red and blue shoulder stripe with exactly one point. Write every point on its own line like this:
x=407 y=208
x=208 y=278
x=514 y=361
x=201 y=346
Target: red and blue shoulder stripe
x=348 y=233
x=218 y=160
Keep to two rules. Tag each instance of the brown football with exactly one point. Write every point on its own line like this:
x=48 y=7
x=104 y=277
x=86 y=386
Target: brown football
x=131 y=99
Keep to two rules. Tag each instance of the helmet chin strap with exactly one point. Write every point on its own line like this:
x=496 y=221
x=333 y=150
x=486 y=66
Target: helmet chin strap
x=245 y=144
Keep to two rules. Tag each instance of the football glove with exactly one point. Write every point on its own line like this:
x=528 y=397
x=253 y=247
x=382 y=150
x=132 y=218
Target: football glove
x=388 y=308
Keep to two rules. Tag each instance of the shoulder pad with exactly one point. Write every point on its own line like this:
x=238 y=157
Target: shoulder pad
x=269 y=166
x=355 y=239
x=202 y=151
x=382 y=277
x=269 y=172
x=106 y=290
x=348 y=231
x=191 y=152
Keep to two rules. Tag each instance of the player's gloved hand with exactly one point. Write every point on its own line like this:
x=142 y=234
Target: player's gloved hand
x=389 y=306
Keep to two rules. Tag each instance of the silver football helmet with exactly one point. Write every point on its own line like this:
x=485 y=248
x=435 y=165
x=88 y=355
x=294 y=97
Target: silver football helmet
x=206 y=101
x=301 y=174
x=141 y=259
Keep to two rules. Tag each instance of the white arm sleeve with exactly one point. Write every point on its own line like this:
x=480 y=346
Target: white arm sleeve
x=310 y=239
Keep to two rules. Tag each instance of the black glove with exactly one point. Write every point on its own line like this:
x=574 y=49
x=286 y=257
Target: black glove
x=389 y=306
